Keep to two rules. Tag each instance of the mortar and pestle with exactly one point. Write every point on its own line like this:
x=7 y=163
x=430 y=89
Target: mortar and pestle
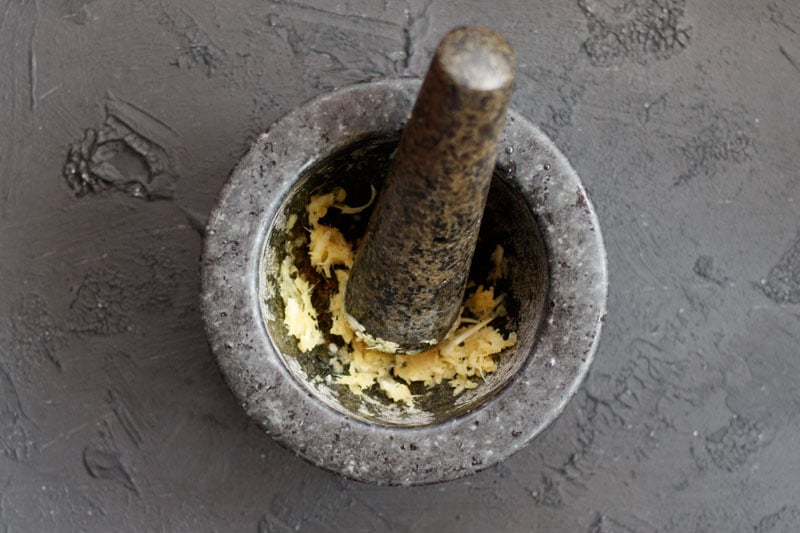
x=456 y=175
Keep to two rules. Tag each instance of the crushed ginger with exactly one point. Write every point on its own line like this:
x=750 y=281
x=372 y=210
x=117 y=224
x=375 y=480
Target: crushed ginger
x=460 y=360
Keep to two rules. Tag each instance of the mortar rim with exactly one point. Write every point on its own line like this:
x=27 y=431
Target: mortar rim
x=253 y=368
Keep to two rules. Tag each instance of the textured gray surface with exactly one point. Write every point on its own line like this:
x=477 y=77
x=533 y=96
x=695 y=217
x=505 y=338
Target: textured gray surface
x=680 y=117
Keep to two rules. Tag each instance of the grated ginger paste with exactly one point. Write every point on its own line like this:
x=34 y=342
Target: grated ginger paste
x=460 y=360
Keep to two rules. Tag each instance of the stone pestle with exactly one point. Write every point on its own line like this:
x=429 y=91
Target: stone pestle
x=407 y=283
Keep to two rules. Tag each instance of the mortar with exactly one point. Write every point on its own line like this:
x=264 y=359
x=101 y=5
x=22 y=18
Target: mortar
x=537 y=209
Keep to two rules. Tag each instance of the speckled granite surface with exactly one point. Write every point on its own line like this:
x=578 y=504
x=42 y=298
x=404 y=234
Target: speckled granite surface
x=120 y=123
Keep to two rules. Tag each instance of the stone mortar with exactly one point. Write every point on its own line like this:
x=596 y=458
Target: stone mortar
x=558 y=282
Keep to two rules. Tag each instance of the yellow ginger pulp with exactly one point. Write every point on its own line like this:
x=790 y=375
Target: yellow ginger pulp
x=463 y=357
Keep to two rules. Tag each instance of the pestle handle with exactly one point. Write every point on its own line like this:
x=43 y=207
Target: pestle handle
x=408 y=279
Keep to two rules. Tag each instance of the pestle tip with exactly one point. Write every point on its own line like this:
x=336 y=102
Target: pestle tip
x=477 y=58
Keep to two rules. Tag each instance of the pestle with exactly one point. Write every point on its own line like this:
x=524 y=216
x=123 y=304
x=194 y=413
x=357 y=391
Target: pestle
x=407 y=283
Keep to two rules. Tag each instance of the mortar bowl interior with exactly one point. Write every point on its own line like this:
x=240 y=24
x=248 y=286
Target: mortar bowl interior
x=507 y=221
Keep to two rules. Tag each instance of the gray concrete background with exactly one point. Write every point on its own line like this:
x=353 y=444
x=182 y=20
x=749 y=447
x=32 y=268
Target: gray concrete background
x=683 y=119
